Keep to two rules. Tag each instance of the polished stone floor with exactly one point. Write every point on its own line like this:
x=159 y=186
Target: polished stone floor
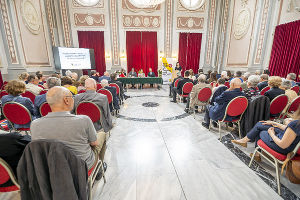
x=157 y=152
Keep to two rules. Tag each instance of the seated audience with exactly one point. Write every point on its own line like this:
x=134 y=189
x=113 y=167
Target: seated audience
x=200 y=71
x=263 y=81
x=100 y=100
x=113 y=91
x=193 y=98
x=192 y=75
x=213 y=79
x=217 y=111
x=104 y=77
x=292 y=78
x=229 y=75
x=216 y=91
x=14 y=89
x=32 y=85
x=94 y=75
x=67 y=82
x=238 y=74
x=286 y=86
x=123 y=73
x=274 y=83
x=173 y=83
x=266 y=71
x=23 y=77
x=178 y=67
x=224 y=75
x=151 y=73
x=75 y=131
x=40 y=99
x=180 y=84
x=114 y=79
x=74 y=76
x=82 y=82
x=245 y=78
x=132 y=73
x=257 y=72
x=40 y=77
x=252 y=90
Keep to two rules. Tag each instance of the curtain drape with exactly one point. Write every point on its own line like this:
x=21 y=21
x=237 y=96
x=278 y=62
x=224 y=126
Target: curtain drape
x=285 y=55
x=141 y=50
x=94 y=40
x=189 y=51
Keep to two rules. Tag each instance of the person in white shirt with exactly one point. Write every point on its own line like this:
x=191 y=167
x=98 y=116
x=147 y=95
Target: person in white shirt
x=32 y=85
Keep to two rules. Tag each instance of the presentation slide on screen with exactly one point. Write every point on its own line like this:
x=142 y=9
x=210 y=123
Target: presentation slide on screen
x=74 y=58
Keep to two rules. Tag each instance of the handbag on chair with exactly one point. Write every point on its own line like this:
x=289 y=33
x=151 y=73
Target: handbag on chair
x=292 y=169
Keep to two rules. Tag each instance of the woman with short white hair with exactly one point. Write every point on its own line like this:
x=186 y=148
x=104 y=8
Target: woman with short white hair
x=252 y=89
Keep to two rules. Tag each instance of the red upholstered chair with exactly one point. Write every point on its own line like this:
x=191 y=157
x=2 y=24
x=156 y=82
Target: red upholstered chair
x=81 y=91
x=296 y=89
x=277 y=158
x=227 y=84
x=99 y=86
x=16 y=113
x=89 y=109
x=277 y=105
x=204 y=96
x=291 y=108
x=186 y=90
x=263 y=91
x=176 y=83
x=43 y=92
x=117 y=89
x=7 y=174
x=235 y=108
x=108 y=95
x=45 y=109
x=41 y=86
x=29 y=95
x=3 y=93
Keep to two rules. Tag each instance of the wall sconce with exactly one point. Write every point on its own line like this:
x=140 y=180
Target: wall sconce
x=107 y=55
x=123 y=55
x=161 y=54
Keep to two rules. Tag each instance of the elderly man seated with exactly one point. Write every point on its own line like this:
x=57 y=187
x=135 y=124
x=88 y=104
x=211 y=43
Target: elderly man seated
x=252 y=89
x=100 y=100
x=217 y=111
x=104 y=77
x=113 y=91
x=32 y=85
x=40 y=99
x=75 y=131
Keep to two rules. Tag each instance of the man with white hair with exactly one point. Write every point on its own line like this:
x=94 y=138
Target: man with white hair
x=245 y=79
x=100 y=100
x=292 y=77
x=104 y=77
x=40 y=99
x=224 y=75
x=252 y=89
x=113 y=91
x=76 y=131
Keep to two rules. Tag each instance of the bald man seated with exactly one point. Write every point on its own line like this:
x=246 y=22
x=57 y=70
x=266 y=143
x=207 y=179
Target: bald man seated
x=75 y=131
x=100 y=100
x=217 y=111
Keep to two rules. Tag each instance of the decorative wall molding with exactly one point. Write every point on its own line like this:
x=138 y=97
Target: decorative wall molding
x=76 y=4
x=65 y=22
x=50 y=21
x=262 y=32
x=190 y=22
x=8 y=32
x=92 y=20
x=242 y=24
x=224 y=26
x=168 y=29
x=140 y=21
x=210 y=31
x=128 y=6
x=30 y=17
x=114 y=33
x=181 y=8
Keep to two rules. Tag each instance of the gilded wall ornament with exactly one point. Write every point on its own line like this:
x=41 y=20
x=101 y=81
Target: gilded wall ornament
x=242 y=24
x=30 y=17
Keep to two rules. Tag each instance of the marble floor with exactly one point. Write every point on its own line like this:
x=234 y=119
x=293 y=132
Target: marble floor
x=158 y=152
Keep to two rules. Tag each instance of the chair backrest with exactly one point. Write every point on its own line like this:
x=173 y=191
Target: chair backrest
x=89 y=109
x=115 y=86
x=176 y=82
x=3 y=93
x=278 y=104
x=29 y=95
x=187 y=88
x=41 y=86
x=16 y=113
x=227 y=84
x=107 y=93
x=45 y=109
x=294 y=105
x=6 y=173
x=81 y=91
x=99 y=86
x=204 y=94
x=236 y=107
x=43 y=92
x=296 y=89
x=264 y=90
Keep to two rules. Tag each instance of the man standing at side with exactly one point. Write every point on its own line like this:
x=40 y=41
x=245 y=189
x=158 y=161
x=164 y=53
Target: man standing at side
x=180 y=85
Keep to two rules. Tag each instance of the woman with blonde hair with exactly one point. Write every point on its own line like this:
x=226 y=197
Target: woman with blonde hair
x=82 y=82
x=23 y=77
x=274 y=83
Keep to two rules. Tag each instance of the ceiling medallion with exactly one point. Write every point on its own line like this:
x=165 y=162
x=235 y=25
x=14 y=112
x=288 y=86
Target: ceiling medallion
x=30 y=17
x=242 y=24
x=146 y=3
x=192 y=4
x=88 y=2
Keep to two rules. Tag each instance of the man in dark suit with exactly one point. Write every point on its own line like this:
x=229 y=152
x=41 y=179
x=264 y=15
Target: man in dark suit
x=113 y=91
x=113 y=79
x=263 y=81
x=94 y=75
x=173 y=83
x=217 y=111
x=151 y=73
x=217 y=91
x=178 y=90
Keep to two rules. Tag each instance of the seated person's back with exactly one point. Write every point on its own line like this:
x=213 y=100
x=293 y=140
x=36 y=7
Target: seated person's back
x=274 y=82
x=113 y=91
x=32 y=85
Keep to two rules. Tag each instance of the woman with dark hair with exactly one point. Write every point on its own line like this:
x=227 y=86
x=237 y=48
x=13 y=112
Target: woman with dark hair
x=67 y=82
x=229 y=75
x=213 y=78
x=178 y=67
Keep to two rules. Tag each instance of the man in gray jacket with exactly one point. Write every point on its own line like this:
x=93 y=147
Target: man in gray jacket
x=100 y=100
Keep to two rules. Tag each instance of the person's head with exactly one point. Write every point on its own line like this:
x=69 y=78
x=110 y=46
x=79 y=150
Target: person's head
x=286 y=85
x=90 y=84
x=235 y=83
x=38 y=72
x=213 y=77
x=246 y=76
x=291 y=77
x=141 y=71
x=229 y=75
x=113 y=76
x=257 y=72
x=275 y=81
x=60 y=99
x=253 y=81
x=106 y=73
x=223 y=74
x=40 y=76
x=104 y=83
x=191 y=72
x=201 y=78
x=33 y=79
x=132 y=69
x=122 y=70
x=200 y=71
x=177 y=64
x=15 y=87
x=82 y=80
x=93 y=73
x=266 y=71
x=74 y=76
x=186 y=74
x=221 y=81
x=23 y=76
x=178 y=73
x=150 y=69
x=238 y=74
x=66 y=80
x=264 y=77
x=52 y=82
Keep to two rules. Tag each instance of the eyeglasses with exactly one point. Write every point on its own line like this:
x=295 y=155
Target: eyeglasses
x=70 y=96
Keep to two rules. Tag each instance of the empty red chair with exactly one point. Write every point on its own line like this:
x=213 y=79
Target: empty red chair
x=43 y=92
x=29 y=95
x=227 y=84
x=277 y=105
x=6 y=174
x=89 y=109
x=99 y=86
x=115 y=86
x=186 y=90
x=81 y=91
x=16 y=113
x=204 y=96
x=296 y=89
x=109 y=96
x=235 y=108
x=291 y=108
x=263 y=91
x=3 y=93
x=45 y=109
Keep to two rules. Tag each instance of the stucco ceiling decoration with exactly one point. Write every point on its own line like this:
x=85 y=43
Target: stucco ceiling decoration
x=139 y=21
x=129 y=6
x=30 y=17
x=242 y=22
x=296 y=5
x=88 y=3
x=89 y=19
x=190 y=22
x=145 y=3
x=192 y=5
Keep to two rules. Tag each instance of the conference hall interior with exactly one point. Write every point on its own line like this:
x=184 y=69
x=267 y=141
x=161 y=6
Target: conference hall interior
x=149 y=99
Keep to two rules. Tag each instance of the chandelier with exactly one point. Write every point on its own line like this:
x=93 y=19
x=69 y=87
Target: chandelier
x=145 y=3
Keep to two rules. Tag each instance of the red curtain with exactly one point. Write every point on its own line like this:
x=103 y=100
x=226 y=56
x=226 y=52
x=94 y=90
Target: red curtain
x=285 y=55
x=189 y=51
x=141 y=49
x=94 y=40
